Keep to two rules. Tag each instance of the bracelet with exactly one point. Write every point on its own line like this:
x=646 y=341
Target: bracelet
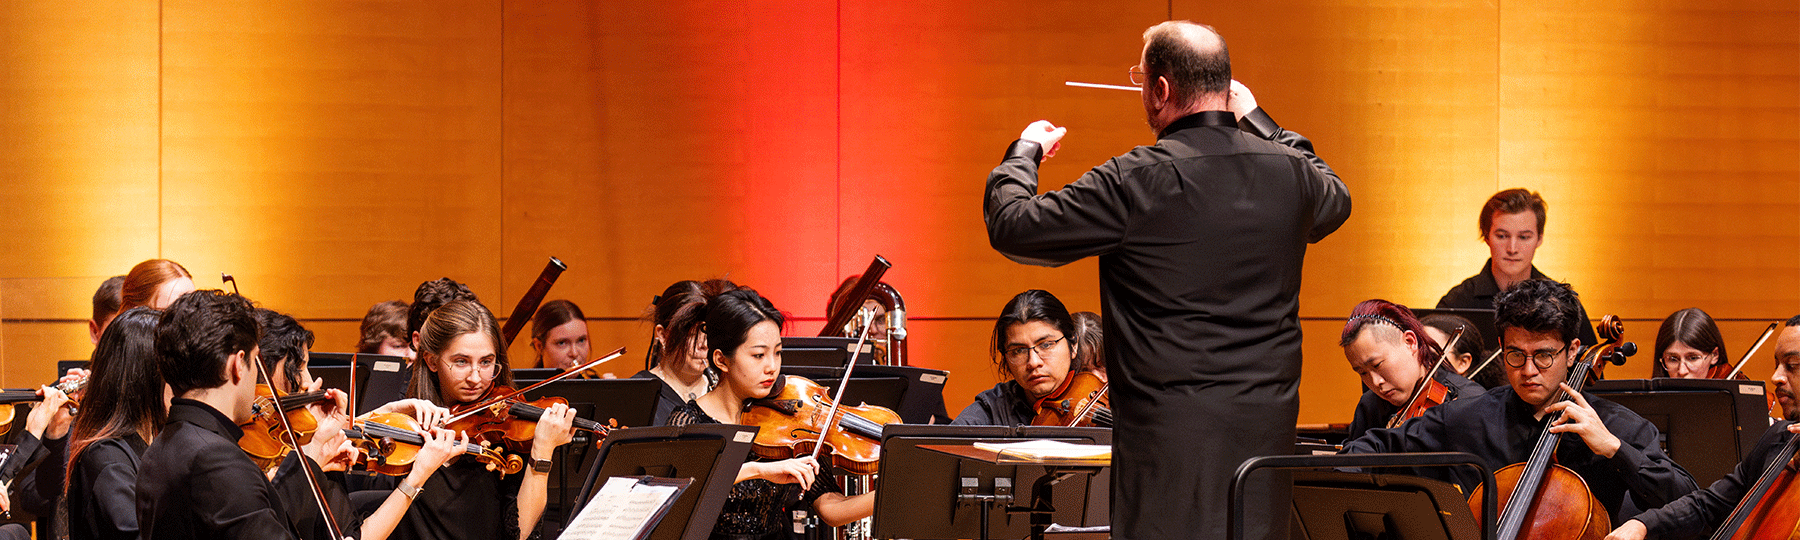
x=410 y=491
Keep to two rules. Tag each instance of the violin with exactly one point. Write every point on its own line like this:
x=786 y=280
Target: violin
x=512 y=423
x=1428 y=392
x=1081 y=401
x=795 y=414
x=1545 y=500
x=263 y=432
x=392 y=441
x=1771 y=510
x=10 y=398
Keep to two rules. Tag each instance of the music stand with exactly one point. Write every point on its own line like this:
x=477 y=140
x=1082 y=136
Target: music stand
x=632 y=402
x=822 y=351
x=1334 y=506
x=916 y=393
x=523 y=377
x=341 y=377
x=926 y=506
x=1706 y=425
x=380 y=379
x=711 y=454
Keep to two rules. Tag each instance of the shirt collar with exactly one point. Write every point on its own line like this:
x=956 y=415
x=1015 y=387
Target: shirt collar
x=204 y=416
x=1200 y=119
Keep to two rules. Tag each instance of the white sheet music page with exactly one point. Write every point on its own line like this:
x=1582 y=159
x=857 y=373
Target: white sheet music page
x=623 y=509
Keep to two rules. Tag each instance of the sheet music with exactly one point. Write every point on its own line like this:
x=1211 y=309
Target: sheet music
x=625 y=508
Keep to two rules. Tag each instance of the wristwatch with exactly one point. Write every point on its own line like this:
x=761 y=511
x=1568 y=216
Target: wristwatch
x=541 y=465
x=408 y=489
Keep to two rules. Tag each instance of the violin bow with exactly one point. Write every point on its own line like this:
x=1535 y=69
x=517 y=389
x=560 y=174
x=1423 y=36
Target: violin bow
x=868 y=317
x=293 y=439
x=489 y=402
x=1486 y=363
x=1770 y=331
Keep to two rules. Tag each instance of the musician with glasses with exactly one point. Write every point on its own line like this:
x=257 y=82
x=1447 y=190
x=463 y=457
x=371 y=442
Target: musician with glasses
x=1616 y=451
x=1033 y=346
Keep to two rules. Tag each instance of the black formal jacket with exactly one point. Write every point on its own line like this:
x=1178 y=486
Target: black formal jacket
x=1201 y=238
x=667 y=399
x=1498 y=427
x=195 y=483
x=1699 y=513
x=1003 y=405
x=1479 y=290
x=103 y=490
x=1373 y=412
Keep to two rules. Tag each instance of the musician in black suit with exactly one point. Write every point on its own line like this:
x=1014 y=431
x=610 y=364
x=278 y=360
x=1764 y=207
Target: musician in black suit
x=1700 y=512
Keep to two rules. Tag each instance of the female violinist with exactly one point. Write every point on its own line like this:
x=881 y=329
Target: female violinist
x=1034 y=349
x=559 y=335
x=743 y=336
x=1704 y=511
x=1387 y=348
x=1689 y=346
x=460 y=361
x=1617 y=452
x=677 y=354
x=155 y=283
x=125 y=407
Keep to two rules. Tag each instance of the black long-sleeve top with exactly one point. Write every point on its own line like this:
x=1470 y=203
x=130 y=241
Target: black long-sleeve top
x=195 y=483
x=103 y=490
x=1499 y=428
x=1373 y=412
x=1003 y=405
x=1479 y=290
x=758 y=508
x=1701 y=512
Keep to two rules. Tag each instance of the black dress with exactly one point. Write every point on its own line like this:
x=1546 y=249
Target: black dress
x=103 y=490
x=1201 y=239
x=757 y=508
x=1373 y=412
x=1499 y=428
x=667 y=399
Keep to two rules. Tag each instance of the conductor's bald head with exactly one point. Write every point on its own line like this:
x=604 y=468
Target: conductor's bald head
x=1187 y=69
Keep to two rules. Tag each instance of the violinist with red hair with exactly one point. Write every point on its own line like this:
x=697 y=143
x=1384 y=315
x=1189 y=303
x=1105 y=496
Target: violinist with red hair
x=1388 y=348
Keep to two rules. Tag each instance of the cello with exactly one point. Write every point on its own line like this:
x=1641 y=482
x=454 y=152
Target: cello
x=1545 y=500
x=1771 y=509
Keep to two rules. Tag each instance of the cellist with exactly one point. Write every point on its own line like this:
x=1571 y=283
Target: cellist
x=1613 y=449
x=1387 y=347
x=1703 y=511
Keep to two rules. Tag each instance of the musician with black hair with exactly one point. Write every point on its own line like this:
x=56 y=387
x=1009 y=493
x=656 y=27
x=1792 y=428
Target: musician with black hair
x=1616 y=451
x=1705 y=510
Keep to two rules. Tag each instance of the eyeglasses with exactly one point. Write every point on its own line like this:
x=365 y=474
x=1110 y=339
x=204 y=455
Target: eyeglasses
x=487 y=368
x=1543 y=360
x=1670 y=362
x=1020 y=354
x=1137 y=76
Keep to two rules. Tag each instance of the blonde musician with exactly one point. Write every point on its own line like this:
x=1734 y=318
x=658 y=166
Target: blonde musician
x=1614 y=450
x=1701 y=512
x=1034 y=348
x=559 y=336
x=1387 y=347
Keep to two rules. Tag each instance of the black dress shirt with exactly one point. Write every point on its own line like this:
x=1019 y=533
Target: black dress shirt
x=195 y=483
x=1499 y=428
x=1373 y=412
x=1201 y=238
x=1699 y=513
x=1479 y=290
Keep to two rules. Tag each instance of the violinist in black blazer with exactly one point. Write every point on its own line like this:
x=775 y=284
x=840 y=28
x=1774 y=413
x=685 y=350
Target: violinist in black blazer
x=1703 y=511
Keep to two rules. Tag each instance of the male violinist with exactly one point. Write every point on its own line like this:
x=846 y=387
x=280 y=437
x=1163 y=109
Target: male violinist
x=1704 y=510
x=1614 y=450
x=193 y=480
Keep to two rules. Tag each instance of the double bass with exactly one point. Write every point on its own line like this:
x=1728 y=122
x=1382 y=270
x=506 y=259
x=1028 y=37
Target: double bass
x=1545 y=500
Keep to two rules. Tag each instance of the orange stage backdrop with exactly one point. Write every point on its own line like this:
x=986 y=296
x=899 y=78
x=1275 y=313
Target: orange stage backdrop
x=333 y=154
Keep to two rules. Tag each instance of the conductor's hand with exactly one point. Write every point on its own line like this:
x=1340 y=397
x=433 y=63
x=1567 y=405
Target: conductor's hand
x=1579 y=418
x=1631 y=530
x=1241 y=101
x=1046 y=135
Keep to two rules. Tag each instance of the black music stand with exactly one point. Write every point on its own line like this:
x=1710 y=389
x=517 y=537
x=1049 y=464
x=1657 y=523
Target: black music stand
x=944 y=496
x=711 y=454
x=1346 y=506
x=1707 y=425
x=822 y=351
x=342 y=377
x=632 y=402
x=920 y=391
x=380 y=379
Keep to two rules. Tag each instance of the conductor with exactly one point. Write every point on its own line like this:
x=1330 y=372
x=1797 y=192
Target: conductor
x=1201 y=238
